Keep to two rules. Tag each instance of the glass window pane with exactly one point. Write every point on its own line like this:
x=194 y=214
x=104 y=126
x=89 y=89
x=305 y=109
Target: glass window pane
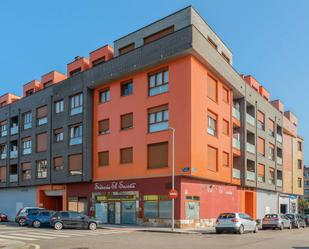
x=159 y=79
x=165 y=77
x=152 y=81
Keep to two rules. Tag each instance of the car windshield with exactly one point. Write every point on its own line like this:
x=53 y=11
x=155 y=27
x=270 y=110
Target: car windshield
x=271 y=216
x=227 y=216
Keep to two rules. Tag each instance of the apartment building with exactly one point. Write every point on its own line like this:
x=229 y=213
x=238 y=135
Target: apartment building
x=306 y=183
x=118 y=109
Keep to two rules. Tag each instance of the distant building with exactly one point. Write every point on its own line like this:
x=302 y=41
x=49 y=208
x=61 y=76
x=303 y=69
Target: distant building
x=306 y=182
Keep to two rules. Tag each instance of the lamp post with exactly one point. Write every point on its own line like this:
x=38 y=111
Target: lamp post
x=173 y=176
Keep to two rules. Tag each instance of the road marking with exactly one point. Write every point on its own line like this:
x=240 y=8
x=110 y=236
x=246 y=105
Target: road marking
x=17 y=238
x=34 y=236
x=49 y=234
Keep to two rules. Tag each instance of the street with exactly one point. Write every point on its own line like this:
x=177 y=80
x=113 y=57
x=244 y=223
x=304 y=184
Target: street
x=120 y=238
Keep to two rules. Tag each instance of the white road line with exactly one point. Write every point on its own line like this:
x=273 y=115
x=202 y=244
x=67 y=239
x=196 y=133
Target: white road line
x=49 y=234
x=17 y=238
x=74 y=234
x=33 y=236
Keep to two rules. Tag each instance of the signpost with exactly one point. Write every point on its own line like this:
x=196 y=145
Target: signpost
x=173 y=193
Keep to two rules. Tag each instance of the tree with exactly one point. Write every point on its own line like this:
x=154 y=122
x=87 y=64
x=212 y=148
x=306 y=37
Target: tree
x=303 y=205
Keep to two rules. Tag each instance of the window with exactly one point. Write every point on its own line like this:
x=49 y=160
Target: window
x=2 y=174
x=157 y=155
x=261 y=146
x=105 y=95
x=271 y=152
x=212 y=124
x=299 y=146
x=3 y=151
x=98 y=61
x=103 y=158
x=26 y=146
x=76 y=104
x=75 y=164
x=58 y=163
x=192 y=208
x=26 y=171
x=212 y=158
x=158 y=118
x=212 y=43
x=271 y=176
x=127 y=88
x=41 y=142
x=27 y=120
x=14 y=125
x=156 y=206
x=225 y=57
x=104 y=127
x=59 y=106
x=212 y=88
x=158 y=35
x=158 y=82
x=126 y=49
x=300 y=164
x=41 y=169
x=261 y=120
x=126 y=121
x=3 y=128
x=126 y=155
x=271 y=129
x=226 y=127
x=261 y=172
x=78 y=204
x=225 y=95
x=76 y=134
x=13 y=173
x=41 y=115
x=58 y=135
x=226 y=159
x=299 y=182
x=75 y=71
x=13 y=149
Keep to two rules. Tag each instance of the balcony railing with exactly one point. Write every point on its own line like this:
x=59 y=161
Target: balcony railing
x=279 y=160
x=251 y=148
x=13 y=154
x=3 y=156
x=250 y=176
x=76 y=140
x=236 y=113
x=236 y=143
x=236 y=173
x=279 y=138
x=13 y=178
x=4 y=133
x=14 y=130
x=250 y=119
x=279 y=182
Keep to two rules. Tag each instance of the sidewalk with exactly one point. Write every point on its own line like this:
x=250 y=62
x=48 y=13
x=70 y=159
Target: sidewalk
x=209 y=230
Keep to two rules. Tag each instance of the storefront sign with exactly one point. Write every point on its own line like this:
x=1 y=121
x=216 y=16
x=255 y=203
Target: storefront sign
x=115 y=186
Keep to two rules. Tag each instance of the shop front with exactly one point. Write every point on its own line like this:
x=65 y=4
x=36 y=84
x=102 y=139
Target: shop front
x=288 y=203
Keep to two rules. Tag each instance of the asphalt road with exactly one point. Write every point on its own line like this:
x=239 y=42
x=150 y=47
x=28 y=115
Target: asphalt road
x=124 y=239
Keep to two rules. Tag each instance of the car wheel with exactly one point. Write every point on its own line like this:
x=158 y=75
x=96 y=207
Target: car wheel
x=92 y=226
x=241 y=229
x=256 y=229
x=22 y=222
x=36 y=224
x=58 y=225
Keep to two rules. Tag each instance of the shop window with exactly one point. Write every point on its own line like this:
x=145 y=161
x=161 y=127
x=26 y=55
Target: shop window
x=76 y=164
x=212 y=123
x=41 y=115
x=104 y=95
x=126 y=155
x=158 y=118
x=26 y=171
x=76 y=104
x=58 y=163
x=226 y=127
x=225 y=95
x=212 y=89
x=78 y=204
x=104 y=127
x=2 y=174
x=156 y=206
x=157 y=155
x=158 y=35
x=126 y=88
x=41 y=169
x=212 y=158
x=126 y=121
x=158 y=82
x=192 y=205
x=41 y=142
x=103 y=158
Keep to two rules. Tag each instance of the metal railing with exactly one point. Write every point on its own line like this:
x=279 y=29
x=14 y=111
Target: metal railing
x=236 y=143
x=236 y=173
x=251 y=148
x=236 y=113
x=250 y=119
x=250 y=175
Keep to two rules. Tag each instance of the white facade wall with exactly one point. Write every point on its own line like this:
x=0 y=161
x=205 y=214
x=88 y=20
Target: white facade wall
x=266 y=202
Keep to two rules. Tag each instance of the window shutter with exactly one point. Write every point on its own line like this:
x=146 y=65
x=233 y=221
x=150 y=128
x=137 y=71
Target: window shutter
x=26 y=166
x=126 y=155
x=225 y=95
x=226 y=127
x=42 y=112
x=58 y=162
x=261 y=170
x=3 y=173
x=226 y=159
x=212 y=88
x=75 y=162
x=127 y=121
x=158 y=35
x=261 y=146
x=158 y=109
x=103 y=125
x=41 y=142
x=212 y=155
x=158 y=155
x=126 y=49
x=261 y=117
x=104 y=158
x=272 y=125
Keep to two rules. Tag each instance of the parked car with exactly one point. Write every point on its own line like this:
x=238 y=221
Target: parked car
x=40 y=218
x=296 y=220
x=280 y=221
x=3 y=217
x=71 y=219
x=22 y=214
x=306 y=218
x=236 y=222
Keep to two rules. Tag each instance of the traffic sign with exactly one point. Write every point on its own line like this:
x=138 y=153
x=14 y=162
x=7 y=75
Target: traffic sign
x=173 y=193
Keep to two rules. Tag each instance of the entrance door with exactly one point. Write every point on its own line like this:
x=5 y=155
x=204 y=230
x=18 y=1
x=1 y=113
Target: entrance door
x=111 y=212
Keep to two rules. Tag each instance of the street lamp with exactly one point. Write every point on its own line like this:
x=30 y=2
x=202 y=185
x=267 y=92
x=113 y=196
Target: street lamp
x=173 y=175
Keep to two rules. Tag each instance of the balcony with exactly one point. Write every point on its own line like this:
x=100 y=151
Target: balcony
x=236 y=143
x=14 y=130
x=236 y=173
x=279 y=182
x=26 y=151
x=235 y=113
x=250 y=176
x=13 y=154
x=279 y=138
x=3 y=156
x=279 y=160
x=76 y=140
x=27 y=126
x=13 y=178
x=4 y=133
x=251 y=148
x=250 y=119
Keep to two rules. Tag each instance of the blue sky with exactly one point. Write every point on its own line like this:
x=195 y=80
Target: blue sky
x=269 y=39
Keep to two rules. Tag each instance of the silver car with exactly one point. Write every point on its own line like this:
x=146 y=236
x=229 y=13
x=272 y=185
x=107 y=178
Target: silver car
x=280 y=221
x=235 y=222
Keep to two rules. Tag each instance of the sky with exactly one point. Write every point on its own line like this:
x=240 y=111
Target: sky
x=269 y=39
